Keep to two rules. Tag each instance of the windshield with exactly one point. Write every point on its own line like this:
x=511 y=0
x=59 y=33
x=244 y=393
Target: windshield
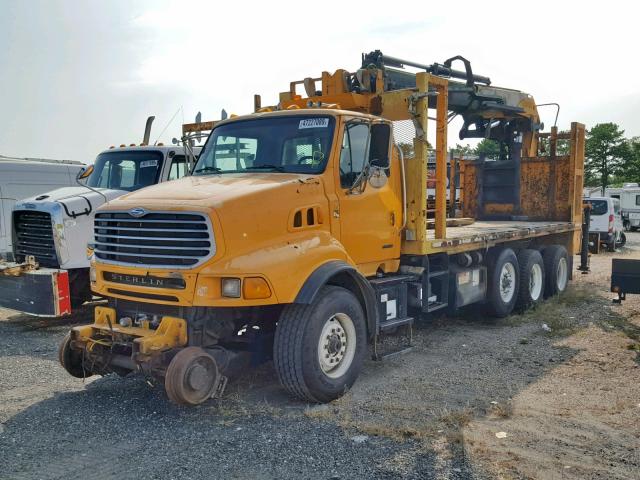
x=285 y=144
x=599 y=207
x=128 y=170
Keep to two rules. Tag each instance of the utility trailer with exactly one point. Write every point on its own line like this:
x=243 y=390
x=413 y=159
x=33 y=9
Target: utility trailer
x=306 y=232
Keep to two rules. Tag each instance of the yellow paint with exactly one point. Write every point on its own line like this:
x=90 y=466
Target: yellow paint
x=171 y=333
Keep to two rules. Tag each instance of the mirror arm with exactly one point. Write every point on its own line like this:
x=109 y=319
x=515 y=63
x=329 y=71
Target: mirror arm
x=80 y=177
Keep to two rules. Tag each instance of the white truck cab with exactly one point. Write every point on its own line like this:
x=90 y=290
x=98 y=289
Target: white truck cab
x=26 y=177
x=54 y=228
x=606 y=221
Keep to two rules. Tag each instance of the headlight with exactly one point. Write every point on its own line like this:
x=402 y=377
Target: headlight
x=231 y=287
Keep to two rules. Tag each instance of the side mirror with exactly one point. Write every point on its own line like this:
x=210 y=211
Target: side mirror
x=84 y=173
x=377 y=176
x=379 y=145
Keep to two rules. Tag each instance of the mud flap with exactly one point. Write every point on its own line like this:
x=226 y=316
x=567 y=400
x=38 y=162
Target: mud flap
x=44 y=292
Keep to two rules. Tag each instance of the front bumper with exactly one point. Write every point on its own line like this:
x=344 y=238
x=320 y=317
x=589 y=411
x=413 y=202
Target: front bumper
x=174 y=288
x=42 y=292
x=108 y=344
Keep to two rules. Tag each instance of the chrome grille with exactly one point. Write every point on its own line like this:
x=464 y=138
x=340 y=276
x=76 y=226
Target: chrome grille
x=34 y=236
x=176 y=240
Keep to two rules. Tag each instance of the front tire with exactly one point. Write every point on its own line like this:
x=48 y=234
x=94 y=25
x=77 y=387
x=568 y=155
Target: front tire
x=556 y=266
x=532 y=279
x=503 y=283
x=319 y=348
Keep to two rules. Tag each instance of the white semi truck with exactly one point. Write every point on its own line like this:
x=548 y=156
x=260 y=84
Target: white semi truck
x=26 y=177
x=50 y=275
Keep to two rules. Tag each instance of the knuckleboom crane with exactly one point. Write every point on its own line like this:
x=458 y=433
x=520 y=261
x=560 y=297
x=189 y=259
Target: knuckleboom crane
x=384 y=86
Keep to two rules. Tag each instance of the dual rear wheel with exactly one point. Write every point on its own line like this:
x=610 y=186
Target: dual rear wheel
x=524 y=280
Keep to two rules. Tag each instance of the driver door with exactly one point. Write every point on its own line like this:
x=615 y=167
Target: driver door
x=370 y=216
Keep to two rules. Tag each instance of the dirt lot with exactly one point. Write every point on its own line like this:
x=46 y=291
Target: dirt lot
x=476 y=399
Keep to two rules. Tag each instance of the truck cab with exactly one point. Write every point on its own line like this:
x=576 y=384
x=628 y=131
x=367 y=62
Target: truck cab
x=52 y=229
x=20 y=177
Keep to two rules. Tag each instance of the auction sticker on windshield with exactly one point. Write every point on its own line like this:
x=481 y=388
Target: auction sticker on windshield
x=149 y=163
x=314 y=123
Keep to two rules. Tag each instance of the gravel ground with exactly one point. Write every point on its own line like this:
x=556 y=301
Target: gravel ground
x=565 y=400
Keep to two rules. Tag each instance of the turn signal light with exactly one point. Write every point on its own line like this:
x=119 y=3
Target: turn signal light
x=255 y=287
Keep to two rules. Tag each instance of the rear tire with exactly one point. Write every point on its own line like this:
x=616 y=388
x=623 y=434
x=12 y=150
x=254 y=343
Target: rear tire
x=319 y=348
x=503 y=282
x=623 y=240
x=556 y=266
x=71 y=359
x=532 y=279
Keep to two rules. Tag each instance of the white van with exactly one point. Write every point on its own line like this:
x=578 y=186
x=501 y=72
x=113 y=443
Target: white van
x=27 y=177
x=606 y=221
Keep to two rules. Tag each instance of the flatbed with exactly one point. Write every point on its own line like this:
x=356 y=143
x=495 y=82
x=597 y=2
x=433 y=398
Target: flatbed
x=487 y=233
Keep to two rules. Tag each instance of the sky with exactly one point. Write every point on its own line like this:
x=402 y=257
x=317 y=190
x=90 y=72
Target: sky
x=78 y=76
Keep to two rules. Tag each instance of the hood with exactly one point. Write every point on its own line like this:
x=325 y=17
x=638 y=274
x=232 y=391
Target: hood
x=214 y=190
x=75 y=200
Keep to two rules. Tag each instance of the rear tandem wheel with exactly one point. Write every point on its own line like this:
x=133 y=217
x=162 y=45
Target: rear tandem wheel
x=503 y=282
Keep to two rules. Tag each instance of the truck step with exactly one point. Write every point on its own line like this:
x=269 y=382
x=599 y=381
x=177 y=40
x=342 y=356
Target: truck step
x=379 y=354
x=435 y=306
x=438 y=273
x=383 y=356
x=397 y=322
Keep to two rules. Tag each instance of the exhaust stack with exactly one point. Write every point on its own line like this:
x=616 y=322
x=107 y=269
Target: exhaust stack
x=147 y=130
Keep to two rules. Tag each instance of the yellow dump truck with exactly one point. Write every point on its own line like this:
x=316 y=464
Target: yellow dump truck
x=306 y=232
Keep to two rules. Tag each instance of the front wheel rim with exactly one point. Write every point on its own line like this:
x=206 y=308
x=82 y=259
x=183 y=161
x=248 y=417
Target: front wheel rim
x=337 y=345
x=507 y=284
x=562 y=274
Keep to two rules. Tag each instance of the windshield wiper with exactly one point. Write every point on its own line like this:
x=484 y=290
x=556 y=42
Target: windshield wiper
x=269 y=166
x=207 y=169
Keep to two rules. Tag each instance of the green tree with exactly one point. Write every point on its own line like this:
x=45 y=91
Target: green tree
x=489 y=148
x=606 y=152
x=462 y=150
